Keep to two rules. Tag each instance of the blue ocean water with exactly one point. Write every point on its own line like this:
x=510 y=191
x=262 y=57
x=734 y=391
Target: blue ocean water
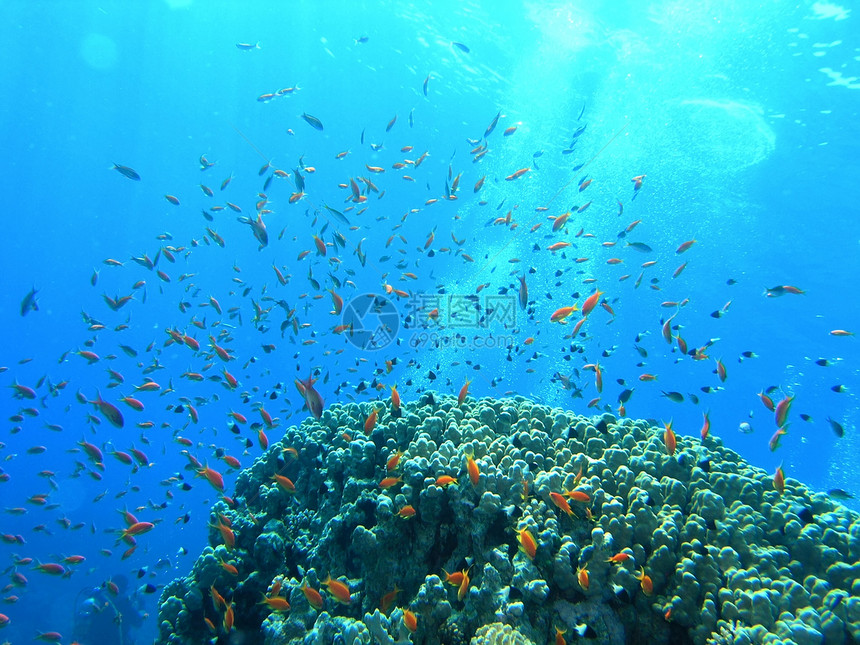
x=743 y=119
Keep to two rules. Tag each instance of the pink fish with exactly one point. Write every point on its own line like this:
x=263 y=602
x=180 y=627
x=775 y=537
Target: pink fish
x=109 y=410
x=312 y=398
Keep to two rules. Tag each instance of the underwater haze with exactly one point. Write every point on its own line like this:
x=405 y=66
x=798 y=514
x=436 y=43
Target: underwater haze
x=223 y=218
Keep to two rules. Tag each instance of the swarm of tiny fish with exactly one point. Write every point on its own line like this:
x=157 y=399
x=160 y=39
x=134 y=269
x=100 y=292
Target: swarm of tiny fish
x=455 y=512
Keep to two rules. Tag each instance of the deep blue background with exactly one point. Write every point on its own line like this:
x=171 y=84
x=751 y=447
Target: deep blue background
x=748 y=147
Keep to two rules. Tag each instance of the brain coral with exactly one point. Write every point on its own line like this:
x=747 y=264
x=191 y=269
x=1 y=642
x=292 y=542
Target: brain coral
x=446 y=519
x=499 y=634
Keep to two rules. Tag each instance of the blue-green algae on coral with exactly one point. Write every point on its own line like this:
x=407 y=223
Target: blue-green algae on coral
x=730 y=559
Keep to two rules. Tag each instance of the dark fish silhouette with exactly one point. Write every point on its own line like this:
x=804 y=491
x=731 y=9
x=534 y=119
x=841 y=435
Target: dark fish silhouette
x=837 y=427
x=125 y=171
x=492 y=125
x=337 y=214
x=29 y=303
x=639 y=246
x=312 y=121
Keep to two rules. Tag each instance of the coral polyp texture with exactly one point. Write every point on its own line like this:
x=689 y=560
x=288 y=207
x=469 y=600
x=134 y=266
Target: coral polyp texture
x=506 y=521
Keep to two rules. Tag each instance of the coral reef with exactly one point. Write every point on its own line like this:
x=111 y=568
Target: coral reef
x=499 y=634
x=508 y=521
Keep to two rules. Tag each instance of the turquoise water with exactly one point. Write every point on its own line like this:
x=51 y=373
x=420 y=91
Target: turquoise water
x=743 y=121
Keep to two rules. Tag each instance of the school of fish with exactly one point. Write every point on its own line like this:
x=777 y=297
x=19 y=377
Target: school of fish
x=334 y=241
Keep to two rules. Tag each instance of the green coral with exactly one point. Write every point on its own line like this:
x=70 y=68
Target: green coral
x=712 y=553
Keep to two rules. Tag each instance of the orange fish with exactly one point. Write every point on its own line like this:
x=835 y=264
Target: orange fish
x=561 y=502
x=578 y=496
x=370 y=422
x=229 y=617
x=578 y=477
x=51 y=568
x=138 y=528
x=410 y=620
x=213 y=477
x=618 y=558
x=217 y=598
x=464 y=585
x=445 y=480
x=779 y=480
x=773 y=444
x=559 y=222
x=721 y=371
x=472 y=468
x=313 y=596
x=645 y=582
x=667 y=331
x=388 y=599
x=285 y=483
x=275 y=603
x=109 y=410
x=267 y=418
x=591 y=302
x=389 y=482
x=582 y=577
x=517 y=174
x=685 y=246
x=338 y=590
x=321 y=248
x=706 y=427
x=563 y=312
x=227 y=534
x=527 y=543
x=464 y=392
x=454 y=579
x=669 y=438
x=767 y=401
x=393 y=460
x=406 y=512
x=781 y=411
x=558 y=246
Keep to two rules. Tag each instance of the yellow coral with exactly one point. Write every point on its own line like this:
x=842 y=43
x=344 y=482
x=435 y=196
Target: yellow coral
x=499 y=634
